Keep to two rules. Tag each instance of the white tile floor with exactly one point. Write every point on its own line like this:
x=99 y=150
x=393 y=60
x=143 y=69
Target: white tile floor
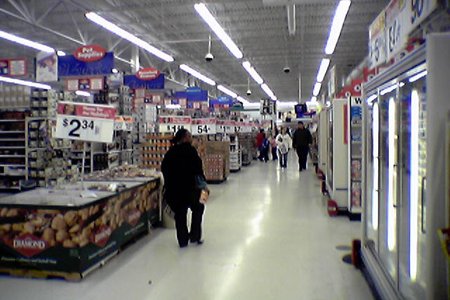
x=267 y=236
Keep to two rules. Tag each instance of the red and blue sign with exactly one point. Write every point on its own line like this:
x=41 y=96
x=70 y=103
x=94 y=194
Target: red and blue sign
x=70 y=66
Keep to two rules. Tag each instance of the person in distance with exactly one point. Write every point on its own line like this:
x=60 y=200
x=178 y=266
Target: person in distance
x=184 y=182
x=302 y=141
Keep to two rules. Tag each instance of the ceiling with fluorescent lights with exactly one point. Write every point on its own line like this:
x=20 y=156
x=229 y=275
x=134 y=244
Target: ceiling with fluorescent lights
x=258 y=27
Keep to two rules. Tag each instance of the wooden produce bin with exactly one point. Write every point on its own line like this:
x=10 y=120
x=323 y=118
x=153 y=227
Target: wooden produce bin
x=69 y=232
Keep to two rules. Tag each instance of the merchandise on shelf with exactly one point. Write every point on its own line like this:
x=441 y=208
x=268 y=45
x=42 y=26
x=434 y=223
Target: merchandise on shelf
x=14 y=96
x=248 y=147
x=48 y=159
x=153 y=150
x=215 y=155
x=12 y=149
x=235 y=153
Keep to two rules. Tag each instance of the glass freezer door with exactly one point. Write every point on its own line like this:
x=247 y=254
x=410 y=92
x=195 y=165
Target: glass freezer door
x=372 y=171
x=388 y=168
x=413 y=179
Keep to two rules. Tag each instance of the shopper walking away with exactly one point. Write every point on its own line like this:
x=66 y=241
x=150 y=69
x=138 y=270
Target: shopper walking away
x=273 y=146
x=184 y=181
x=284 y=143
x=302 y=141
x=265 y=149
x=259 y=141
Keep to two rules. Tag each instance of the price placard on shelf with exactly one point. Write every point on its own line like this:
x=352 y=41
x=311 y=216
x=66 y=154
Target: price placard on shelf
x=171 y=124
x=203 y=126
x=85 y=122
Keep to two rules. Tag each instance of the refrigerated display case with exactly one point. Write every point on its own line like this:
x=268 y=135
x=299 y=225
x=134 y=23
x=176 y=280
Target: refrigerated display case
x=337 y=173
x=400 y=245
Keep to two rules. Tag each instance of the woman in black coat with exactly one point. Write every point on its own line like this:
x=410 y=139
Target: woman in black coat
x=183 y=176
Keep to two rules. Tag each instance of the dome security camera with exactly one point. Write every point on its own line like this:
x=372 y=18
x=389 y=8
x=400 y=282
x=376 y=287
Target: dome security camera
x=249 y=92
x=286 y=69
x=209 y=57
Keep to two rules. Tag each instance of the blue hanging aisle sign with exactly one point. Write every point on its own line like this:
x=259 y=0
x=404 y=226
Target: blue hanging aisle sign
x=70 y=66
x=196 y=94
x=135 y=83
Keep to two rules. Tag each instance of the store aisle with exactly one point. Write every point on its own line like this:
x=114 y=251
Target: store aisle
x=267 y=236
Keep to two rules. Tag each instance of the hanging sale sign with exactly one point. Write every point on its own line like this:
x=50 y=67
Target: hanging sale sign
x=46 y=67
x=13 y=67
x=171 y=124
x=85 y=122
x=203 y=126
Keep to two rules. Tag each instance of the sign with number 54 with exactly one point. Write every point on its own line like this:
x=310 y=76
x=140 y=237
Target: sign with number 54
x=85 y=122
x=203 y=126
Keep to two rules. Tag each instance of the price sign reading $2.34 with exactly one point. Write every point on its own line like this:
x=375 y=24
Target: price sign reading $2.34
x=85 y=122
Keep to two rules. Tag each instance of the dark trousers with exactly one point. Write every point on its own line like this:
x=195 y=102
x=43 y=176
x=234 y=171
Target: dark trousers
x=274 y=153
x=283 y=159
x=197 y=209
x=265 y=154
x=302 y=153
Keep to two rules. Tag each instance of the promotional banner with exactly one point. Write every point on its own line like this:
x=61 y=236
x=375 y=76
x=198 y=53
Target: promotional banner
x=171 y=124
x=85 y=84
x=13 y=67
x=46 y=67
x=135 y=83
x=402 y=17
x=85 y=122
x=69 y=65
x=377 y=41
x=203 y=126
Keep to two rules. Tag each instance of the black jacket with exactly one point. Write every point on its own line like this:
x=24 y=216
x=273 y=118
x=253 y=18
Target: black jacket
x=180 y=166
x=302 y=138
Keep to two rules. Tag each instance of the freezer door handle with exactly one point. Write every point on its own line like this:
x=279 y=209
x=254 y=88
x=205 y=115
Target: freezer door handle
x=422 y=205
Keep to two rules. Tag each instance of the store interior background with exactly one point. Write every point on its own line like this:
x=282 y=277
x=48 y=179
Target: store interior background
x=287 y=43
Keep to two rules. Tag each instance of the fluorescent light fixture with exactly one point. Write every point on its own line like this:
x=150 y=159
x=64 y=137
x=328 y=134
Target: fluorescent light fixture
x=285 y=104
x=203 y=11
x=24 y=82
x=243 y=100
x=375 y=156
x=83 y=93
x=392 y=171
x=371 y=99
x=417 y=76
x=248 y=67
x=251 y=105
x=60 y=53
x=25 y=42
x=323 y=69
x=197 y=74
x=268 y=91
x=227 y=91
x=173 y=106
x=388 y=89
x=115 y=71
x=128 y=36
x=316 y=89
x=414 y=184
x=336 y=27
